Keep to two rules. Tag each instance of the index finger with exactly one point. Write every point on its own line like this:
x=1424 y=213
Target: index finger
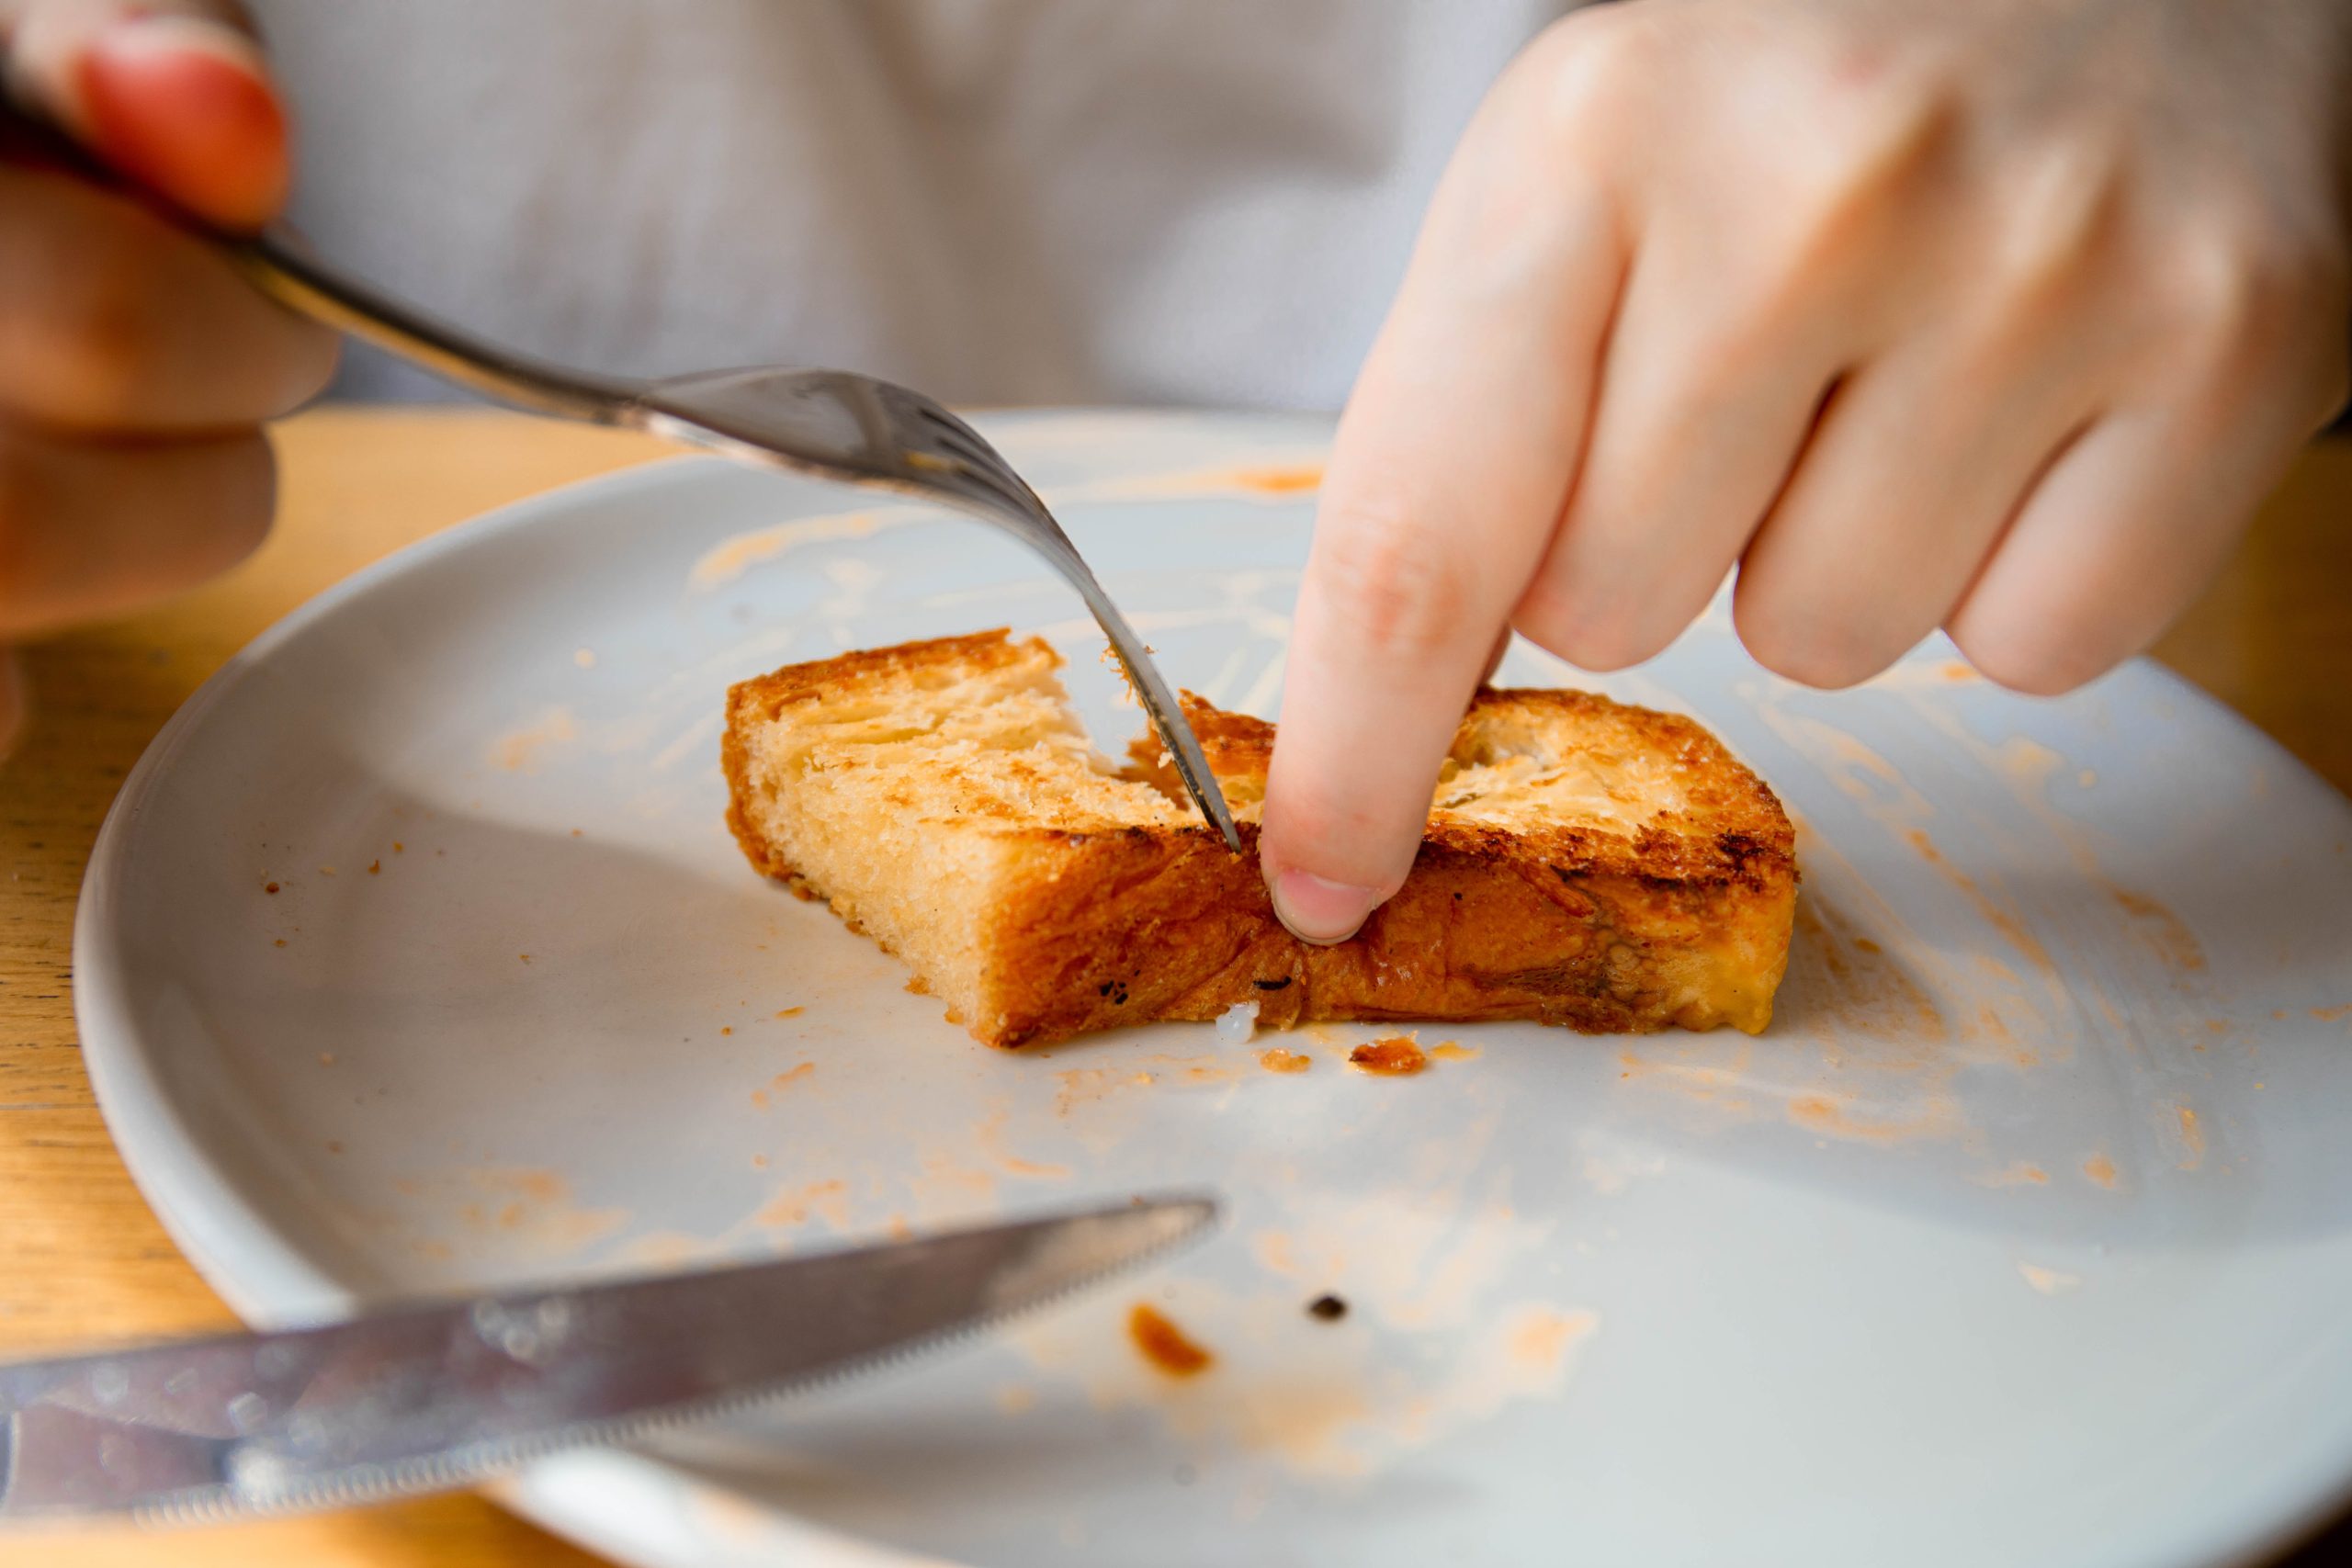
x=1452 y=465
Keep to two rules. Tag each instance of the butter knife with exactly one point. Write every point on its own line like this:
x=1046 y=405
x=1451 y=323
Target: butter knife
x=435 y=1397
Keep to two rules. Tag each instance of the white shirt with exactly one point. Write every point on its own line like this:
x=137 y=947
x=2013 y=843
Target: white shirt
x=997 y=201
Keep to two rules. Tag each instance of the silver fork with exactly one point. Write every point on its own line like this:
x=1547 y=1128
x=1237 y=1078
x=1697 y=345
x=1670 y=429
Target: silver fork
x=834 y=424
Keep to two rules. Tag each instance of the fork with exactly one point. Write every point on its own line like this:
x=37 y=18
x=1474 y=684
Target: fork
x=833 y=424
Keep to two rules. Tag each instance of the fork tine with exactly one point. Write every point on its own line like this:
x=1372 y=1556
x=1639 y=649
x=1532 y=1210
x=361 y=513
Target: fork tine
x=961 y=439
x=853 y=427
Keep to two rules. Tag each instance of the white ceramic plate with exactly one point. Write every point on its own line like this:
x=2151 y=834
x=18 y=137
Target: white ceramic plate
x=2025 y=1236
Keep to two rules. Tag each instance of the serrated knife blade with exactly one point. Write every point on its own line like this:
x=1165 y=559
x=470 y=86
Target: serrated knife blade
x=437 y=1397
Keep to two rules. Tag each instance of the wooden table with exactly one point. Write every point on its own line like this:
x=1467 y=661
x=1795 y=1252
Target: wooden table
x=81 y=1256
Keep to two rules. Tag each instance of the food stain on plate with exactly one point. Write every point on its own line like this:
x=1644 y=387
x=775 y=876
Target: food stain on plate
x=523 y=748
x=1165 y=1346
x=2164 y=934
x=2192 y=1135
x=794 y=1206
x=988 y=1134
x=501 y=1209
x=1296 y=479
x=1609 y=1171
x=1273 y=479
x=1842 y=983
x=2049 y=1281
x=732 y=557
x=1703 y=1072
x=1277 y=1060
x=1849 y=1116
x=1086 y=1086
x=1326 y=1396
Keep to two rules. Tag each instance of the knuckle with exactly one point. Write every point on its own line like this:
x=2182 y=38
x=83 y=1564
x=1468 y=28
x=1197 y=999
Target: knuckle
x=1591 y=64
x=1399 y=583
x=1753 y=343
x=1850 y=166
x=98 y=332
x=2062 y=217
x=2254 y=292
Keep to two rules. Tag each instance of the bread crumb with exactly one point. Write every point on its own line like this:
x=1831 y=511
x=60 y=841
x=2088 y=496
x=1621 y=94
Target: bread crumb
x=269 y=887
x=726 y=1029
x=1278 y=1060
x=1394 y=1057
x=374 y=868
x=790 y=1012
x=397 y=849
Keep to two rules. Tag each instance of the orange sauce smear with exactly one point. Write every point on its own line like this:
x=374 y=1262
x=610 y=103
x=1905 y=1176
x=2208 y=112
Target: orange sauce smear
x=1281 y=1061
x=1394 y=1057
x=1279 y=480
x=1164 y=1345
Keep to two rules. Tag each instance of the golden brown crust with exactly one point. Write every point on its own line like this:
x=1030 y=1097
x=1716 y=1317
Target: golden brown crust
x=1158 y=924
x=1684 y=921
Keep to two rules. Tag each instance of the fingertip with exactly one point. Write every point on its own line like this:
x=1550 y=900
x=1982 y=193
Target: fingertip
x=185 y=104
x=1317 y=910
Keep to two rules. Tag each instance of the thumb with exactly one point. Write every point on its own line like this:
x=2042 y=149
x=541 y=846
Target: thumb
x=172 y=92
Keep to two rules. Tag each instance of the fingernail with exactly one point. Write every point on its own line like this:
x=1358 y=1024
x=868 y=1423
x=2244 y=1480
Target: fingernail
x=141 y=35
x=1319 y=910
x=185 y=104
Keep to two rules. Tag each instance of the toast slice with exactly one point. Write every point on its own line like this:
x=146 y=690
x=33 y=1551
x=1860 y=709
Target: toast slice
x=1587 y=864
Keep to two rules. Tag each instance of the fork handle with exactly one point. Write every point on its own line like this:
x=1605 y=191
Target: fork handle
x=281 y=265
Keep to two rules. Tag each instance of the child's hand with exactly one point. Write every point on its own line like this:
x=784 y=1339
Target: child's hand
x=1994 y=315
x=135 y=366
